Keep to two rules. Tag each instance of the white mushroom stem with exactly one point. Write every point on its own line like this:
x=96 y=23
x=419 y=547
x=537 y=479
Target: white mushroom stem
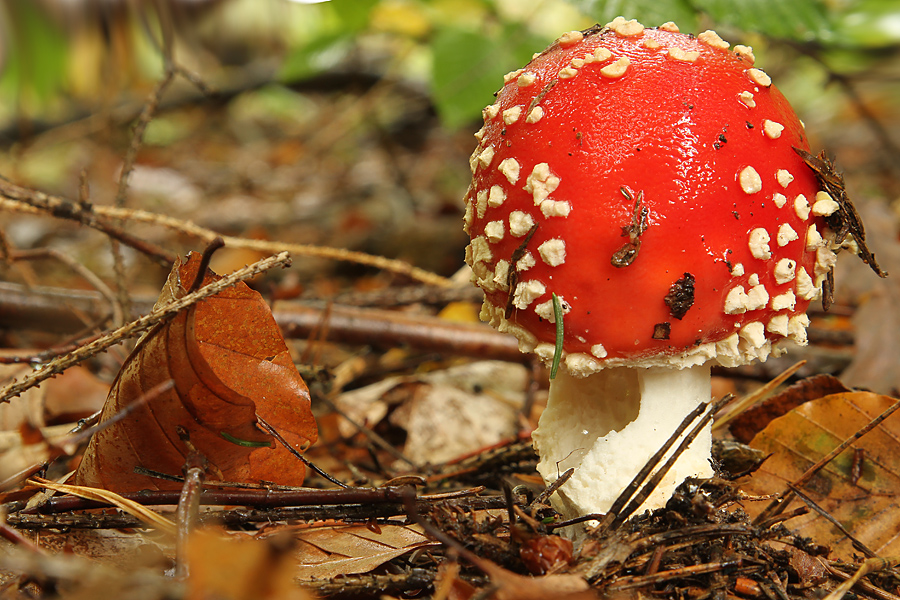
x=608 y=425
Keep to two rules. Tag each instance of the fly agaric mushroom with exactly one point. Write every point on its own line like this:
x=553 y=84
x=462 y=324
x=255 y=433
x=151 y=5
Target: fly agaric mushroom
x=643 y=186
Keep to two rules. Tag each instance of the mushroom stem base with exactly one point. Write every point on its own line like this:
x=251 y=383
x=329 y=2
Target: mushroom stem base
x=609 y=424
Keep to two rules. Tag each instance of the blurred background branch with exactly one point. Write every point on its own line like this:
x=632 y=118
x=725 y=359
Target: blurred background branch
x=65 y=55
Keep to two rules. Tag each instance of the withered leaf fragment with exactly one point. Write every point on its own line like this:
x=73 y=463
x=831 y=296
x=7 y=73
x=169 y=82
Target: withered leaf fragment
x=512 y=278
x=681 y=296
x=662 y=331
x=625 y=255
x=845 y=221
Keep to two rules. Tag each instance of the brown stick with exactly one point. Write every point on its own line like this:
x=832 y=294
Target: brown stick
x=351 y=512
x=389 y=329
x=257 y=497
x=50 y=309
x=187 y=514
x=85 y=273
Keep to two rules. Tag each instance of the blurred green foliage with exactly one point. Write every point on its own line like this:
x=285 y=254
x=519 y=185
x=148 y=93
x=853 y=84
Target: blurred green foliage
x=798 y=20
x=468 y=56
x=35 y=56
x=646 y=11
x=464 y=77
x=456 y=49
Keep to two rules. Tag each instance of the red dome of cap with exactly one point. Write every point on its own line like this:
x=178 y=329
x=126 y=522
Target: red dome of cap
x=648 y=178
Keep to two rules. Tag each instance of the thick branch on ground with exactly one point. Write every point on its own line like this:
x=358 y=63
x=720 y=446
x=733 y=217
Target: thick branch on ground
x=389 y=329
x=50 y=309
x=356 y=504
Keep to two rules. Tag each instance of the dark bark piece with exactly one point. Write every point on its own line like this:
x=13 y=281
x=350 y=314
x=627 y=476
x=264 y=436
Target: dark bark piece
x=681 y=296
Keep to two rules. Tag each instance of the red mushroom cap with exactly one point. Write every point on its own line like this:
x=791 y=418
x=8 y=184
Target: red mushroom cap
x=648 y=178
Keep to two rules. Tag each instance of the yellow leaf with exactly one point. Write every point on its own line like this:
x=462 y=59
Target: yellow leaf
x=401 y=17
x=460 y=312
x=326 y=552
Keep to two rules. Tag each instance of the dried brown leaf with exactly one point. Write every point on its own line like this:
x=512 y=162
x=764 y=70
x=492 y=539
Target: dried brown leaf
x=754 y=420
x=869 y=507
x=326 y=552
x=121 y=549
x=229 y=363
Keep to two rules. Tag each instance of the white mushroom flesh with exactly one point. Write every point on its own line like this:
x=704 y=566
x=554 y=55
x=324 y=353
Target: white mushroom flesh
x=607 y=426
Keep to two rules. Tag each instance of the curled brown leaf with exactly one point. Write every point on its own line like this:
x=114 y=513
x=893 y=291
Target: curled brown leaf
x=230 y=363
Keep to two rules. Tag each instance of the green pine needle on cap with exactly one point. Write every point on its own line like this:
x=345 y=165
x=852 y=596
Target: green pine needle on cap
x=557 y=352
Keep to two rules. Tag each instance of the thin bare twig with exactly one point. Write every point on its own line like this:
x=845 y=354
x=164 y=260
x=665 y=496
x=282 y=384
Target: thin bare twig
x=265 y=497
x=625 y=583
x=137 y=138
x=373 y=437
x=137 y=141
x=78 y=268
x=296 y=454
x=871 y=565
x=827 y=516
x=621 y=508
x=133 y=508
x=20 y=199
x=647 y=489
x=189 y=228
x=352 y=511
x=187 y=514
x=551 y=489
x=52 y=352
